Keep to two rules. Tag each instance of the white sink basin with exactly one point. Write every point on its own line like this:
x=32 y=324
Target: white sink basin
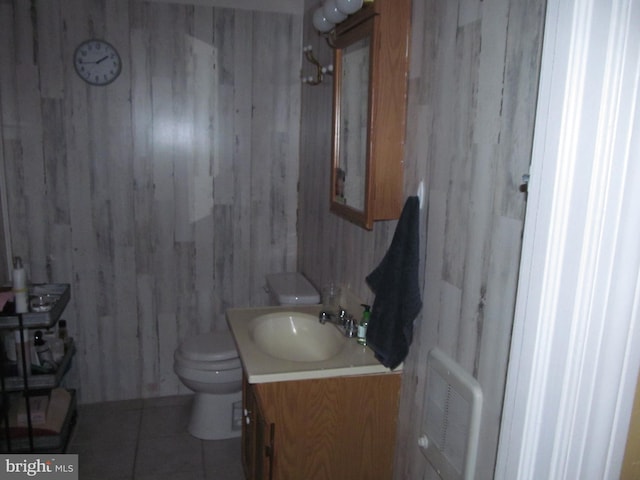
x=295 y=336
x=268 y=359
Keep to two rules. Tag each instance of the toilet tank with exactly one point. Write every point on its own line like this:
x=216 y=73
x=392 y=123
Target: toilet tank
x=291 y=288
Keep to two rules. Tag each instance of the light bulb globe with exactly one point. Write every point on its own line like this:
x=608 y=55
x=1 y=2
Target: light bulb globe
x=349 y=6
x=331 y=12
x=320 y=22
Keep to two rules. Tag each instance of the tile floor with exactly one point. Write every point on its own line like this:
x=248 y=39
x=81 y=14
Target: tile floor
x=147 y=439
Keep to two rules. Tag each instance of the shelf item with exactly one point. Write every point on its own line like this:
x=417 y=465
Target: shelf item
x=50 y=438
x=56 y=295
x=14 y=383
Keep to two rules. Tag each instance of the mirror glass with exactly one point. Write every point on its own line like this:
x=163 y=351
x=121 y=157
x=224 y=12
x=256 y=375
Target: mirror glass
x=351 y=143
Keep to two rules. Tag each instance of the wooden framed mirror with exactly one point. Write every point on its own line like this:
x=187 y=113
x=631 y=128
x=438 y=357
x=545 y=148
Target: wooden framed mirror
x=369 y=110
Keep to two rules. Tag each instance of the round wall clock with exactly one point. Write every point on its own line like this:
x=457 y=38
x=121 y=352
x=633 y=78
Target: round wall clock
x=97 y=62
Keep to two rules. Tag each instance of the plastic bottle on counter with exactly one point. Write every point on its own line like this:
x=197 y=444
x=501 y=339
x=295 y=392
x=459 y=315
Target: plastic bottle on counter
x=364 y=323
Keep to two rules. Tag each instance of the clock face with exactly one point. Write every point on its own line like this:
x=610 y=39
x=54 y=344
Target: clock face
x=97 y=62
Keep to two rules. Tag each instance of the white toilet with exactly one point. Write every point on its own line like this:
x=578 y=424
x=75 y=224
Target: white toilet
x=209 y=365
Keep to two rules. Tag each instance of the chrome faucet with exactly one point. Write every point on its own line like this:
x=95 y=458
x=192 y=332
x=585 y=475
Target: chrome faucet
x=344 y=321
x=338 y=318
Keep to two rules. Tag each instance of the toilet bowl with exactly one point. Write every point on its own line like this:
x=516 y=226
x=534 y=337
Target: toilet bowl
x=209 y=365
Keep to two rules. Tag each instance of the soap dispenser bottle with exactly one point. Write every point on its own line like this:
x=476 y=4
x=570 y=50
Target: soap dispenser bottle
x=364 y=323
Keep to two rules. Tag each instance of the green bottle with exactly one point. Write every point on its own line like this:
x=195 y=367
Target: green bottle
x=364 y=323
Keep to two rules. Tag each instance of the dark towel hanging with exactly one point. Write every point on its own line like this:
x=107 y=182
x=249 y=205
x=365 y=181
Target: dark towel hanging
x=395 y=283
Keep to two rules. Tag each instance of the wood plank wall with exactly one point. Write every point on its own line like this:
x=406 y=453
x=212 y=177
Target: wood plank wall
x=164 y=197
x=473 y=82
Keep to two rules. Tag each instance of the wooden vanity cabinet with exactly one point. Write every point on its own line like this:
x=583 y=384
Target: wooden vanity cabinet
x=330 y=428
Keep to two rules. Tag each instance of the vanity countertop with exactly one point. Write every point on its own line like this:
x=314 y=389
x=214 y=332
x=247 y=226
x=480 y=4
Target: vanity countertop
x=353 y=359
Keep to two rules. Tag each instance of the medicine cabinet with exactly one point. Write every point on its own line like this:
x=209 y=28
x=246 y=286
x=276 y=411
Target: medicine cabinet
x=369 y=112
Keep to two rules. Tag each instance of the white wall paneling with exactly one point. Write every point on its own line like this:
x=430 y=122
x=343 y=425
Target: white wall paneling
x=164 y=197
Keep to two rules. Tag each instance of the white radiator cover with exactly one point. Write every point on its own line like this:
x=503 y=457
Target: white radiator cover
x=451 y=421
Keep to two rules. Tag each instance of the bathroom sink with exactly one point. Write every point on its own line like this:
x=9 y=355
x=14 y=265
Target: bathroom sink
x=295 y=336
x=280 y=343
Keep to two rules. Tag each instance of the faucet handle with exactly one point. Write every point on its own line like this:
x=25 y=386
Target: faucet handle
x=343 y=316
x=324 y=316
x=350 y=327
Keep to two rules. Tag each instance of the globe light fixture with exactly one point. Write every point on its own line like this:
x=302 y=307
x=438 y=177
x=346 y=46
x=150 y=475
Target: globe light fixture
x=349 y=6
x=331 y=12
x=320 y=22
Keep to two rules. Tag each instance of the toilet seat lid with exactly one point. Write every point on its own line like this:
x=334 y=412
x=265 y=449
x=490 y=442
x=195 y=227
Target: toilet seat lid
x=210 y=346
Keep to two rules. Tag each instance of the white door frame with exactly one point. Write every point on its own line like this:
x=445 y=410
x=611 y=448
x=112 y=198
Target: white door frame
x=576 y=341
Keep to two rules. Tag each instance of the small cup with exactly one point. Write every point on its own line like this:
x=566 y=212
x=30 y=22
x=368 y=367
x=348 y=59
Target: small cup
x=331 y=297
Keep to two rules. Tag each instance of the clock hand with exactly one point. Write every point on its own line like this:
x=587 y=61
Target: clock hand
x=97 y=62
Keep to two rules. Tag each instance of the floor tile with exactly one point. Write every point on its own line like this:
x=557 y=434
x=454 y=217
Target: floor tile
x=119 y=426
x=172 y=476
x=85 y=476
x=106 y=462
x=169 y=454
x=222 y=459
x=168 y=401
x=164 y=421
x=148 y=439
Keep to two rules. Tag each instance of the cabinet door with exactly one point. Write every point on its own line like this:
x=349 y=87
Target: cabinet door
x=264 y=447
x=257 y=438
